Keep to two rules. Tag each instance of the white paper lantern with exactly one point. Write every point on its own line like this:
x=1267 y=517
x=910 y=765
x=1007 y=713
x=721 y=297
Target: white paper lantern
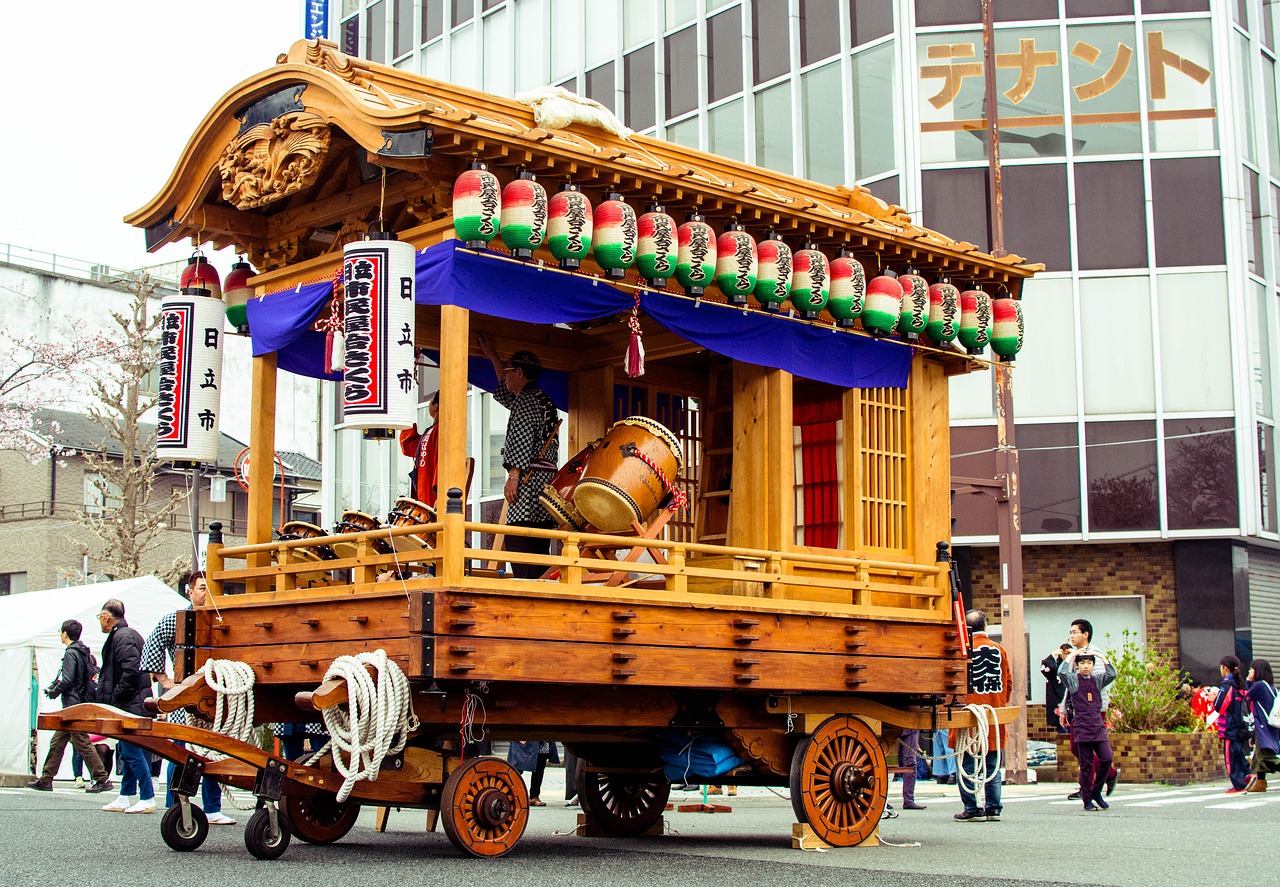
x=190 y=364
x=379 y=386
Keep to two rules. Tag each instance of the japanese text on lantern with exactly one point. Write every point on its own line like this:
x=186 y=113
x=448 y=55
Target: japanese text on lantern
x=362 y=279
x=175 y=325
x=1108 y=66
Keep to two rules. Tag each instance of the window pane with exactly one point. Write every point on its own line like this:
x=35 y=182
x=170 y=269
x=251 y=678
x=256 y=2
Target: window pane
x=1093 y=8
x=1262 y=362
x=726 y=131
x=1035 y=214
x=819 y=30
x=602 y=25
x=1105 y=92
x=948 y=12
x=1115 y=320
x=1267 y=476
x=823 y=136
x=1111 y=215
x=952 y=104
x=375 y=33
x=351 y=36
x=491 y=4
x=1242 y=94
x=638 y=89
x=1186 y=199
x=432 y=19
x=1200 y=474
x=461 y=11
x=498 y=73
x=1150 y=7
x=1193 y=313
x=402 y=28
x=973 y=455
x=435 y=63
x=1180 y=86
x=1254 y=223
x=1121 y=458
x=887 y=190
x=773 y=129
x=873 y=71
x=637 y=23
x=1049 y=477
x=1268 y=24
x=684 y=133
x=869 y=21
x=1044 y=383
x=770 y=41
x=972 y=397
x=724 y=50
x=1269 y=102
x=682 y=72
x=600 y=85
x=1029 y=80
x=350 y=6
x=679 y=12
x=531 y=60
x=566 y=38
x=463 y=58
x=955 y=203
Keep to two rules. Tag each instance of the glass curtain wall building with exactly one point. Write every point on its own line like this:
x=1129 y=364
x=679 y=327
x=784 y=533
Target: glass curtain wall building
x=1141 y=165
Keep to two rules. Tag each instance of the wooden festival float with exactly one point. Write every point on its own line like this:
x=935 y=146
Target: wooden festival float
x=779 y=599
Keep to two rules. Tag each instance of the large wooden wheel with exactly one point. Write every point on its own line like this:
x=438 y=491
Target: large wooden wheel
x=839 y=782
x=484 y=807
x=319 y=818
x=623 y=803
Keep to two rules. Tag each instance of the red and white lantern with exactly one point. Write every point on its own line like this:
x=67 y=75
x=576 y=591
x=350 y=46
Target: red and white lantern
x=810 y=282
x=884 y=304
x=657 y=251
x=379 y=386
x=200 y=274
x=737 y=264
x=1008 y=329
x=615 y=236
x=524 y=215
x=477 y=206
x=696 y=260
x=913 y=316
x=944 y=313
x=190 y=365
x=773 y=279
x=237 y=294
x=570 y=226
x=848 y=289
x=975 y=320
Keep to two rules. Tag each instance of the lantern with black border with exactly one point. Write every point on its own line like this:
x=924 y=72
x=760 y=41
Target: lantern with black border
x=237 y=294
x=190 y=384
x=810 y=281
x=944 y=313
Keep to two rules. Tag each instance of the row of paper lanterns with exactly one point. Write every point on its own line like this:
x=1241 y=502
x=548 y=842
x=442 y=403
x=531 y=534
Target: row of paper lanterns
x=525 y=219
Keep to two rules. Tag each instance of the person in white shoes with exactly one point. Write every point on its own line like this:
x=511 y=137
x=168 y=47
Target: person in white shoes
x=157 y=653
x=122 y=684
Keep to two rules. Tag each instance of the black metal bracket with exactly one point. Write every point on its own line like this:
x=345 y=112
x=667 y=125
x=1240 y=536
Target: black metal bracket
x=696 y=708
x=186 y=654
x=188 y=778
x=408 y=143
x=268 y=108
x=269 y=786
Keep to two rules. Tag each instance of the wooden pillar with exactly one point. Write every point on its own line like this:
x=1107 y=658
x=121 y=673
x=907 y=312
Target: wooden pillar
x=762 y=507
x=454 y=353
x=262 y=455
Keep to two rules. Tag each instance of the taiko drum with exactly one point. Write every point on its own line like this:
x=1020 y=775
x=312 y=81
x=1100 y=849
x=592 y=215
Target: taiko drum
x=294 y=530
x=558 y=496
x=410 y=513
x=621 y=482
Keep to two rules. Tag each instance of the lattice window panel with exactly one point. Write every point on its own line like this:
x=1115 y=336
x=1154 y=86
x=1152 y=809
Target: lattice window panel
x=884 y=435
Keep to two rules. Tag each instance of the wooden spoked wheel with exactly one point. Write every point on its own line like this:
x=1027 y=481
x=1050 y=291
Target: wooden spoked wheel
x=484 y=807
x=839 y=782
x=623 y=803
x=319 y=818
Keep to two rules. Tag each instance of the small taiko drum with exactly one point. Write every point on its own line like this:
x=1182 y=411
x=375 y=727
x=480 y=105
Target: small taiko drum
x=294 y=530
x=557 y=496
x=409 y=513
x=358 y=522
x=629 y=475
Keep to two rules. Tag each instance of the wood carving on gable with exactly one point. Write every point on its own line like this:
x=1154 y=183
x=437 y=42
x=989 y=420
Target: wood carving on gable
x=273 y=160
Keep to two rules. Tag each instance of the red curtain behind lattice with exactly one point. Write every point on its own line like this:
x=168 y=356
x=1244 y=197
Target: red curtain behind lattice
x=815 y=413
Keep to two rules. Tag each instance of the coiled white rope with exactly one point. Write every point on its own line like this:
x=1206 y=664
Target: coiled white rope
x=232 y=685
x=375 y=722
x=973 y=741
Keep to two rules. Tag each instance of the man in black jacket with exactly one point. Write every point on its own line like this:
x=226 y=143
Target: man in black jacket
x=74 y=685
x=122 y=684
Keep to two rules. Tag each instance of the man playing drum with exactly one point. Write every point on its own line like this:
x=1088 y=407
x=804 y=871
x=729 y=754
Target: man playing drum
x=530 y=452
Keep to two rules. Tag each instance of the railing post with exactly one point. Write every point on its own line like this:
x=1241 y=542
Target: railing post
x=571 y=572
x=454 y=529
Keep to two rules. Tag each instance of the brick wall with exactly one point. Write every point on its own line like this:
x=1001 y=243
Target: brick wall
x=1171 y=758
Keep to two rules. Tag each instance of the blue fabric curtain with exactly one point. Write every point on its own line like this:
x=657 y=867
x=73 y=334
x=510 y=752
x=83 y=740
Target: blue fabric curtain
x=493 y=284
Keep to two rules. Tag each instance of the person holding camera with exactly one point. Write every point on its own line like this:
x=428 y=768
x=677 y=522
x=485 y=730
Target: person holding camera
x=74 y=684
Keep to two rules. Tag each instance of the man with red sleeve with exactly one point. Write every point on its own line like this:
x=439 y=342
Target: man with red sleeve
x=990 y=683
x=424 y=448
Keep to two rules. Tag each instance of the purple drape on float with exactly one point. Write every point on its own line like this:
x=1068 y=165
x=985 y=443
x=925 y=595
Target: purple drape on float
x=493 y=284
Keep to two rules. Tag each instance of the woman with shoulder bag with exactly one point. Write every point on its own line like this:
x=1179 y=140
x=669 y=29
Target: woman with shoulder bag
x=1230 y=707
x=1261 y=697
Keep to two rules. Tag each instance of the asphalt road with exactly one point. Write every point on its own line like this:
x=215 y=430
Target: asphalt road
x=1152 y=836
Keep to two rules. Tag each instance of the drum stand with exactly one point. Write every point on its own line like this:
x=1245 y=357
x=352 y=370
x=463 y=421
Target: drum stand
x=613 y=578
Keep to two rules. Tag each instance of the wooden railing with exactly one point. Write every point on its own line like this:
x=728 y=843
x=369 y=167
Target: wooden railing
x=585 y=562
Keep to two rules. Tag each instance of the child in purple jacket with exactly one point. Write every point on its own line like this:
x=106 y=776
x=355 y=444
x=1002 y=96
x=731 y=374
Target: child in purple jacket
x=1082 y=686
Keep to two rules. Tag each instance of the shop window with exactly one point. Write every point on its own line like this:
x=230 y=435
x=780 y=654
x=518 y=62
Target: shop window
x=1121 y=460
x=12 y=583
x=1200 y=474
x=1111 y=215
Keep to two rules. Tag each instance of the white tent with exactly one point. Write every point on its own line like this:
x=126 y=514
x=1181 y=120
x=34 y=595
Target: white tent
x=31 y=652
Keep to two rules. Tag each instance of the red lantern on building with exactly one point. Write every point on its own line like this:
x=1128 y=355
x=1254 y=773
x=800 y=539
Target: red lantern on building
x=883 y=309
x=848 y=288
x=944 y=313
x=810 y=281
x=237 y=294
x=975 y=320
x=1007 y=327
x=773 y=276
x=200 y=274
x=477 y=205
x=737 y=264
x=524 y=214
x=656 y=252
x=570 y=226
x=914 y=314
x=696 y=260
x=615 y=236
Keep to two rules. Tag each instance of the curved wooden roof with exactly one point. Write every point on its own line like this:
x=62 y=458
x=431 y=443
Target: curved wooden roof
x=285 y=167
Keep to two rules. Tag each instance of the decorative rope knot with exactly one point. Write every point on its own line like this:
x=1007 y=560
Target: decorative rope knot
x=678 y=498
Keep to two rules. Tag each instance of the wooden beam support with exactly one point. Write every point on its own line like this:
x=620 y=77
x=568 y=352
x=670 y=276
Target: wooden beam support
x=262 y=453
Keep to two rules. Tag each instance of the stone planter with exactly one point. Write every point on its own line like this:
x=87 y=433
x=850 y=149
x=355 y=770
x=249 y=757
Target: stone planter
x=1171 y=758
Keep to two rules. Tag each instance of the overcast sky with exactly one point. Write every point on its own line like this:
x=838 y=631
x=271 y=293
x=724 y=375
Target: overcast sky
x=99 y=101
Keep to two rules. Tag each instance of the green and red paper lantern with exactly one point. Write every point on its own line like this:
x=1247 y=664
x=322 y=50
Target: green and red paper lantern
x=914 y=313
x=773 y=275
x=237 y=294
x=1007 y=327
x=656 y=250
x=883 y=308
x=696 y=262
x=975 y=320
x=810 y=281
x=615 y=236
x=569 y=226
x=737 y=265
x=848 y=288
x=200 y=274
x=524 y=215
x=477 y=206
x=944 y=313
